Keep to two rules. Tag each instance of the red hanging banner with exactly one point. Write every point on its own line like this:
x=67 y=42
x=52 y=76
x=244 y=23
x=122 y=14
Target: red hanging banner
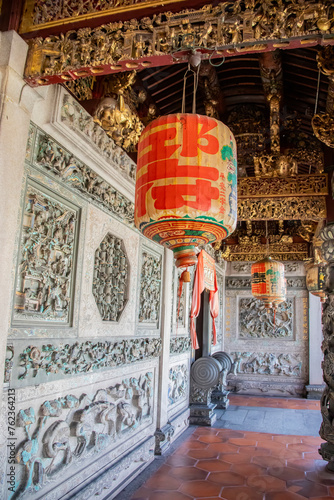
x=205 y=278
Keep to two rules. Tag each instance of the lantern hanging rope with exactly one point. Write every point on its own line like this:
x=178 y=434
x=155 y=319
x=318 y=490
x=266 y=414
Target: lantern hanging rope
x=186 y=181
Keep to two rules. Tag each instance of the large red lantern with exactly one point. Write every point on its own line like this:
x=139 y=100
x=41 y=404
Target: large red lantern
x=268 y=282
x=186 y=185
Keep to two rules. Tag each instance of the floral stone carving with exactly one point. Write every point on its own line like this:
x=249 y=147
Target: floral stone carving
x=179 y=345
x=267 y=364
x=178 y=383
x=256 y=323
x=70 y=428
x=150 y=286
x=110 y=283
x=47 y=254
x=83 y=357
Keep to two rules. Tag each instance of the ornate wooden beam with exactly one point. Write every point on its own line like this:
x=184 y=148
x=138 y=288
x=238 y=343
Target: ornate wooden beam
x=224 y=30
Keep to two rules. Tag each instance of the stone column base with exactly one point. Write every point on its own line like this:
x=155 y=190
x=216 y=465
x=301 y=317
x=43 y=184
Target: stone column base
x=163 y=438
x=314 y=391
x=201 y=414
x=220 y=398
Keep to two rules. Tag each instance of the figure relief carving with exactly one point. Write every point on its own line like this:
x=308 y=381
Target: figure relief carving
x=178 y=383
x=77 y=118
x=70 y=427
x=150 y=286
x=110 y=282
x=84 y=357
x=313 y=207
x=47 y=252
x=56 y=159
x=9 y=363
x=287 y=365
x=179 y=345
x=256 y=323
x=212 y=26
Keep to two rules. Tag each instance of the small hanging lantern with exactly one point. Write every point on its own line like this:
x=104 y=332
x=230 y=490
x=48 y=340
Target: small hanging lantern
x=316 y=277
x=268 y=282
x=186 y=185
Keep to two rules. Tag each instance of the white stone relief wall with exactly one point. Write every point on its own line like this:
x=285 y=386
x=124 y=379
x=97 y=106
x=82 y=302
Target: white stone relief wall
x=270 y=357
x=86 y=389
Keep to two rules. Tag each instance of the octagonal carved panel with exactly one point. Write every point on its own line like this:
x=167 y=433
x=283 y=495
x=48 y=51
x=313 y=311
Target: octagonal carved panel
x=110 y=282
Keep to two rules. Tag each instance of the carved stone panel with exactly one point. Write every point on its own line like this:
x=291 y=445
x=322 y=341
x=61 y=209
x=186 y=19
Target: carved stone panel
x=285 y=364
x=178 y=383
x=71 y=431
x=110 y=282
x=84 y=357
x=256 y=323
x=54 y=158
x=150 y=288
x=44 y=282
x=179 y=345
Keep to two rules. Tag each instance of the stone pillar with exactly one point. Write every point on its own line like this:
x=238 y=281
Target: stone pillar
x=316 y=384
x=327 y=399
x=17 y=101
x=165 y=430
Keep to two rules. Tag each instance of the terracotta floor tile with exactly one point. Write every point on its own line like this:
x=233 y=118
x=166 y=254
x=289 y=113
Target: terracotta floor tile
x=210 y=439
x=302 y=447
x=188 y=473
x=254 y=451
x=180 y=461
x=213 y=465
x=200 y=489
x=308 y=489
x=224 y=447
x=266 y=483
x=227 y=478
x=167 y=495
x=230 y=434
x=283 y=495
x=287 y=439
x=198 y=454
x=141 y=494
x=321 y=498
x=242 y=442
x=163 y=482
x=272 y=445
x=248 y=469
x=266 y=461
x=235 y=458
x=331 y=491
x=193 y=445
x=314 y=455
x=312 y=440
x=286 y=473
x=241 y=493
x=306 y=465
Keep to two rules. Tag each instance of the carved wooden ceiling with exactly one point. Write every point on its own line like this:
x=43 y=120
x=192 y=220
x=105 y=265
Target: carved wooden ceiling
x=259 y=74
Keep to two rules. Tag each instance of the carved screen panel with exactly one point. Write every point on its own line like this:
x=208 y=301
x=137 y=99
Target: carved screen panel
x=44 y=281
x=110 y=283
x=150 y=287
x=177 y=383
x=256 y=323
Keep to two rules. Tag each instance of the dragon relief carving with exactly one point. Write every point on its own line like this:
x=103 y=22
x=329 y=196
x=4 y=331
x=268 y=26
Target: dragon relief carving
x=288 y=365
x=110 y=282
x=256 y=323
x=78 y=176
x=178 y=383
x=47 y=254
x=70 y=427
x=84 y=357
x=150 y=285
